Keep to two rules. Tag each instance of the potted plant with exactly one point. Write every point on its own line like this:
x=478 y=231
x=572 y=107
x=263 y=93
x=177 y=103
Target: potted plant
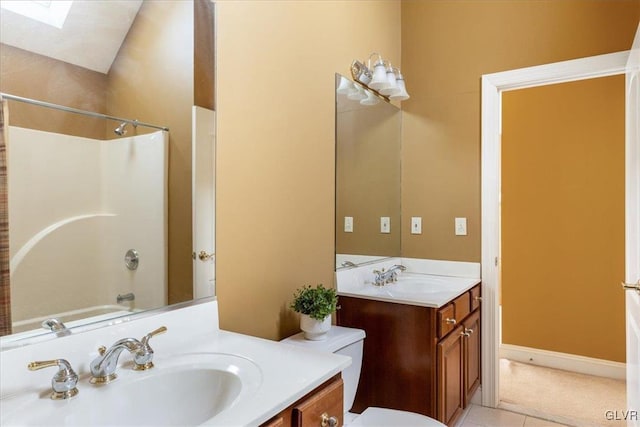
x=315 y=306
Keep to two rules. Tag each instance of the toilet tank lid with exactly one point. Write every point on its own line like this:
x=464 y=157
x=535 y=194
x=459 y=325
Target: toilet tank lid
x=338 y=337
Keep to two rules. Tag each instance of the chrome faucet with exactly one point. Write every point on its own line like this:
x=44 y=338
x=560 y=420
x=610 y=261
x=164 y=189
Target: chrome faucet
x=389 y=276
x=103 y=367
x=55 y=325
x=63 y=382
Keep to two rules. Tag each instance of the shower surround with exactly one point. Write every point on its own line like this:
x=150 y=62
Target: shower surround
x=76 y=205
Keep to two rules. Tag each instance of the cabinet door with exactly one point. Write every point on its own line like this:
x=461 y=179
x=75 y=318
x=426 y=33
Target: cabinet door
x=329 y=400
x=276 y=422
x=450 y=376
x=472 y=355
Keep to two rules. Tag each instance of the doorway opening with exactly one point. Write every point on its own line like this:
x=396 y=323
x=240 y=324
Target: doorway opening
x=492 y=88
x=562 y=229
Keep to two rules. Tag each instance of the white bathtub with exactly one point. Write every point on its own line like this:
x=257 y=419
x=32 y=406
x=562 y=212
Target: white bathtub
x=32 y=327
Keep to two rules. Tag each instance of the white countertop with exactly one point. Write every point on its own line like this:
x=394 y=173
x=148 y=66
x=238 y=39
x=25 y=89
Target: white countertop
x=286 y=373
x=425 y=290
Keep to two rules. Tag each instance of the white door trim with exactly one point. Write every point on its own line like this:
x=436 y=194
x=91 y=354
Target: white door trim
x=632 y=224
x=492 y=87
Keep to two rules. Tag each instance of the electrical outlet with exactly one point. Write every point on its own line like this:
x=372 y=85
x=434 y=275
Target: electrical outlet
x=416 y=225
x=385 y=224
x=348 y=224
x=461 y=226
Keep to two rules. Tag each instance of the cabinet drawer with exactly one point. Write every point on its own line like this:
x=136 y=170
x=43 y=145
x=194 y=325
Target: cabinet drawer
x=329 y=400
x=463 y=306
x=475 y=297
x=446 y=319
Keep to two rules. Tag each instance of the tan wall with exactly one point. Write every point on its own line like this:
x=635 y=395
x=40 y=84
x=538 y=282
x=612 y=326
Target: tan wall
x=152 y=81
x=30 y=75
x=563 y=218
x=275 y=147
x=446 y=47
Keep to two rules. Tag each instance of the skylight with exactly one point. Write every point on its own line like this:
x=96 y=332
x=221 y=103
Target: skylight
x=53 y=13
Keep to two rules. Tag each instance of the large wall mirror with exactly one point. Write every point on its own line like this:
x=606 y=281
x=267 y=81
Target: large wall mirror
x=100 y=217
x=368 y=130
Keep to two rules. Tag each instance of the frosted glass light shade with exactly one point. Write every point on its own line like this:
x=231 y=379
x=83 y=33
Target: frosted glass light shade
x=379 y=79
x=391 y=87
x=402 y=91
x=357 y=94
x=371 y=99
x=345 y=86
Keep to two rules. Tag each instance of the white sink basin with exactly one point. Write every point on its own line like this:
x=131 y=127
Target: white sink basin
x=186 y=389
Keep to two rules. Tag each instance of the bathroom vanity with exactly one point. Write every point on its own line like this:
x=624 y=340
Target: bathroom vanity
x=422 y=348
x=201 y=376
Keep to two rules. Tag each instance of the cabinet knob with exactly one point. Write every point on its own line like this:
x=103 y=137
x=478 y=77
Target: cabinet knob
x=450 y=321
x=477 y=298
x=465 y=333
x=468 y=331
x=327 y=421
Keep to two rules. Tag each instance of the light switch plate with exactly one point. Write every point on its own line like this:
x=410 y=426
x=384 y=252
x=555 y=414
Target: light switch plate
x=385 y=224
x=461 y=226
x=416 y=225
x=348 y=224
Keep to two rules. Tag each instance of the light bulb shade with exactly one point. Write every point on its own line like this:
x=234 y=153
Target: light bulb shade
x=391 y=87
x=345 y=87
x=371 y=99
x=379 y=79
x=402 y=94
x=357 y=94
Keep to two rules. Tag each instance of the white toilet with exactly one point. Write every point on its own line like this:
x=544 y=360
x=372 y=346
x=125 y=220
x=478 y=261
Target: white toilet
x=349 y=342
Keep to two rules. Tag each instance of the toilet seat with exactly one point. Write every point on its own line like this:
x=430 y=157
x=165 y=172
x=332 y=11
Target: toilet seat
x=382 y=417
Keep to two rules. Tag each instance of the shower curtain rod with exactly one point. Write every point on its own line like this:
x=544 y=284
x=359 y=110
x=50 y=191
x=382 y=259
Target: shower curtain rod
x=77 y=111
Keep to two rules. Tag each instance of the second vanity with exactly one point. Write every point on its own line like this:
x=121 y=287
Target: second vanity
x=422 y=345
x=201 y=376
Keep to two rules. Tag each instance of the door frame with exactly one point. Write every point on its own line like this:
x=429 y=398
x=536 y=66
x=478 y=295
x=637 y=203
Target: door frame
x=492 y=87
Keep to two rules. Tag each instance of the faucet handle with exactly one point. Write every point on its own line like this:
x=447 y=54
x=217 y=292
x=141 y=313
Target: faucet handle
x=160 y=330
x=64 y=381
x=143 y=359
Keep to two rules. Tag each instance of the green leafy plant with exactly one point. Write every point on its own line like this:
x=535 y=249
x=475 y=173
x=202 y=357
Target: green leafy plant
x=318 y=302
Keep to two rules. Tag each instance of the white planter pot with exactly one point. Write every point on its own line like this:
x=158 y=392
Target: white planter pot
x=315 y=330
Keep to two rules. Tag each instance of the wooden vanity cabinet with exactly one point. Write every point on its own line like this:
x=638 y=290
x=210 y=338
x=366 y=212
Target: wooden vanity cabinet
x=308 y=412
x=417 y=359
x=451 y=376
x=472 y=353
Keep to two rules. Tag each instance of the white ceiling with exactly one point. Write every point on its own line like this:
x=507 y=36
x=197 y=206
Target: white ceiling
x=91 y=36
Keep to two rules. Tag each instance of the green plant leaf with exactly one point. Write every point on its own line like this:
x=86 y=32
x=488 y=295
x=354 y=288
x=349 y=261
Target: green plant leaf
x=318 y=302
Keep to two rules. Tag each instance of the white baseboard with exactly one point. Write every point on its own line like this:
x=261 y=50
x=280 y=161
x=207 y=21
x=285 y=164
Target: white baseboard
x=564 y=361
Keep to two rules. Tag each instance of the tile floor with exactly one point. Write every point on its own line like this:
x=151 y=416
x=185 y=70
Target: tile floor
x=479 y=416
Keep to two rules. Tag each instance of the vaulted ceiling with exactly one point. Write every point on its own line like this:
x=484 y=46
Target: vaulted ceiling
x=103 y=25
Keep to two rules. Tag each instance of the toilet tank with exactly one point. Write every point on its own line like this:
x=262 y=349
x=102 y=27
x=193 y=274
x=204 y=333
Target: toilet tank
x=344 y=341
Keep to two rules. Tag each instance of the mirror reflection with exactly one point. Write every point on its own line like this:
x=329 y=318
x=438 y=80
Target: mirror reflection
x=367 y=175
x=100 y=218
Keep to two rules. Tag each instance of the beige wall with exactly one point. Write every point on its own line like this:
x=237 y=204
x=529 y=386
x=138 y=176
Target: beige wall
x=30 y=75
x=446 y=47
x=563 y=218
x=275 y=147
x=152 y=81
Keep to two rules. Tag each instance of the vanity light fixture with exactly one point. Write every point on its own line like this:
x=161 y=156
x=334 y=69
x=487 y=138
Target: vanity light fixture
x=385 y=79
x=356 y=92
